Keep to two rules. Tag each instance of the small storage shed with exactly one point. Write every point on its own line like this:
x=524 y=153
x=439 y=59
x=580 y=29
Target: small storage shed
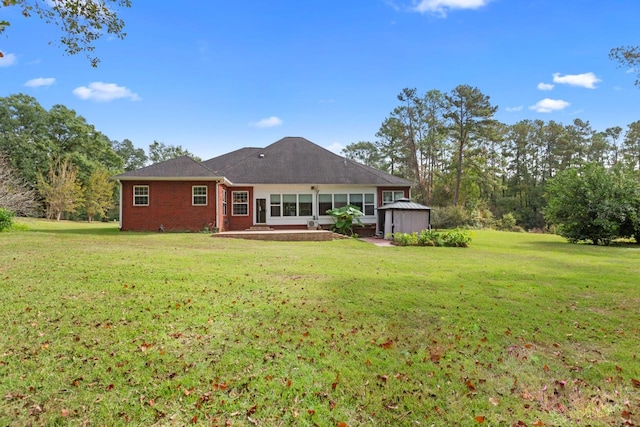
x=403 y=216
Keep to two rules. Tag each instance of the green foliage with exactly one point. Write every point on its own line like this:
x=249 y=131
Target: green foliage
x=82 y=22
x=450 y=217
x=60 y=189
x=134 y=158
x=32 y=138
x=6 y=219
x=344 y=218
x=98 y=194
x=594 y=204
x=159 y=152
x=453 y=238
x=508 y=223
x=627 y=57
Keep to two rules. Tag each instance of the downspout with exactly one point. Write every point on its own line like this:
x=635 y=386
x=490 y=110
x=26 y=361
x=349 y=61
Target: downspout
x=120 y=207
x=217 y=225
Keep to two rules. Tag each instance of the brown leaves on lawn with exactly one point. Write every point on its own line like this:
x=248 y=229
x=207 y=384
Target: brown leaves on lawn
x=386 y=345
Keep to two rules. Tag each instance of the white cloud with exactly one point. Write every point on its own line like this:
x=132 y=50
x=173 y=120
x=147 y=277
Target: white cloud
x=8 y=59
x=549 y=105
x=587 y=80
x=104 y=92
x=442 y=6
x=41 y=81
x=514 y=109
x=336 y=148
x=269 y=122
x=545 y=86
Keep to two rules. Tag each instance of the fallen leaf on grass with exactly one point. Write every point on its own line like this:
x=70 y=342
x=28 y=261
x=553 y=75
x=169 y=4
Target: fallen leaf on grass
x=636 y=383
x=494 y=401
x=387 y=344
x=479 y=419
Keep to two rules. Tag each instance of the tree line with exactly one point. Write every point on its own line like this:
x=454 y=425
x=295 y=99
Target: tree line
x=459 y=156
x=54 y=163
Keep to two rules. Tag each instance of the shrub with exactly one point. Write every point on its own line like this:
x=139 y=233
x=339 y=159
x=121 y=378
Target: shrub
x=454 y=238
x=6 y=219
x=450 y=217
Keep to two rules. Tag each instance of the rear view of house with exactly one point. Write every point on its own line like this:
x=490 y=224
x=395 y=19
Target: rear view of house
x=289 y=184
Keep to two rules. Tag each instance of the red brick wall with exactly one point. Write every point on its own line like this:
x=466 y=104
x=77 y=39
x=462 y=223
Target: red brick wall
x=238 y=222
x=170 y=205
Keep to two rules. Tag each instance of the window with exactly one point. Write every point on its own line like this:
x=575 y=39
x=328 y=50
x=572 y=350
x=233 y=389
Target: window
x=240 y=204
x=199 y=195
x=339 y=200
x=289 y=204
x=325 y=203
x=305 y=205
x=369 y=204
x=140 y=195
x=276 y=206
x=224 y=201
x=391 y=196
x=356 y=200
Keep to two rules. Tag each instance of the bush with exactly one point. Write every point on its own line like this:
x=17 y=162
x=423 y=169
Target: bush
x=450 y=217
x=508 y=223
x=6 y=219
x=454 y=238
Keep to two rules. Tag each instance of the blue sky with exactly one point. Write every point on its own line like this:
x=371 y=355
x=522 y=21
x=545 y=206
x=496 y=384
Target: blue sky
x=214 y=76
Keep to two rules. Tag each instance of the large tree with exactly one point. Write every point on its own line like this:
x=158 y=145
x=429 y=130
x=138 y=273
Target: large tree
x=134 y=158
x=98 y=194
x=159 y=152
x=61 y=189
x=594 y=204
x=15 y=195
x=82 y=22
x=470 y=115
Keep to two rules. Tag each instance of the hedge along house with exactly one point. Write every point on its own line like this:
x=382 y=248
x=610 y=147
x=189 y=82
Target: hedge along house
x=289 y=184
x=403 y=216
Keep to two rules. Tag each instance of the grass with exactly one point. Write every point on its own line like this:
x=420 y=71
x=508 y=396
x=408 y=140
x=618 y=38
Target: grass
x=110 y=328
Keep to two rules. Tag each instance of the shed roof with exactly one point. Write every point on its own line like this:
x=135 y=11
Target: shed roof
x=405 y=205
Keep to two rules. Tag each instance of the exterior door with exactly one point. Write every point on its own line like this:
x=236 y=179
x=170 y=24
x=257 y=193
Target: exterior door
x=261 y=211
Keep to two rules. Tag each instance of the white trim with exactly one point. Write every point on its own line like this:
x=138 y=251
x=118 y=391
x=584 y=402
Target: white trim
x=217 y=190
x=133 y=193
x=233 y=203
x=206 y=195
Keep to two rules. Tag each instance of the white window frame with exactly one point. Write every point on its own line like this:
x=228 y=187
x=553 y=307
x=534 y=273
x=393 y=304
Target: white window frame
x=136 y=196
x=237 y=203
x=195 y=196
x=395 y=195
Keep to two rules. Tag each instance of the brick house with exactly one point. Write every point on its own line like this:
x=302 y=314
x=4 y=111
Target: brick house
x=289 y=184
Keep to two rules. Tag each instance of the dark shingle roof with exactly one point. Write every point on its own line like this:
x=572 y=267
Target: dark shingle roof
x=180 y=167
x=291 y=160
x=295 y=160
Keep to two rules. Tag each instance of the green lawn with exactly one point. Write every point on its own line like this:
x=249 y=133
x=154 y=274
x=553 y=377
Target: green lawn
x=108 y=328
